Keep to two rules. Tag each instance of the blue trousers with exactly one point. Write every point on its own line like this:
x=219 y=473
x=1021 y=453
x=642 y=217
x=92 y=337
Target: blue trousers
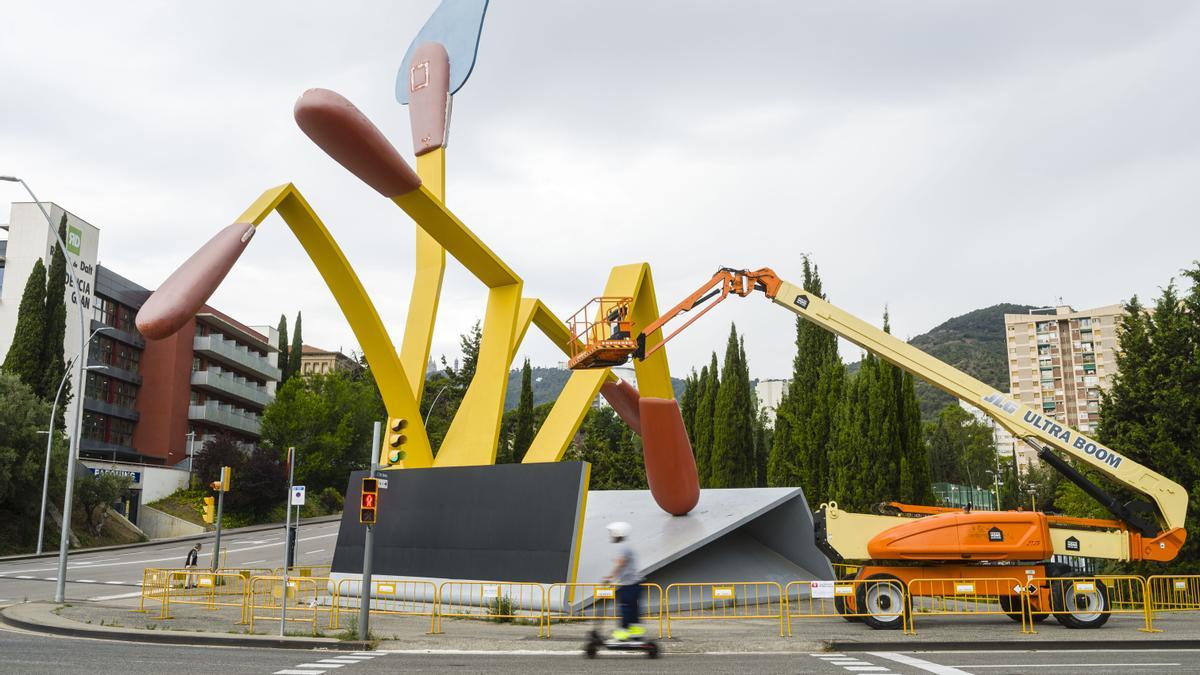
x=629 y=599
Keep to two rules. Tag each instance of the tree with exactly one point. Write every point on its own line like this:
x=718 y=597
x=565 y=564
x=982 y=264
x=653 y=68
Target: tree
x=53 y=364
x=259 y=487
x=24 y=358
x=296 y=351
x=23 y=418
x=732 y=462
x=705 y=415
x=94 y=494
x=223 y=450
x=915 y=485
x=328 y=418
x=962 y=449
x=523 y=424
x=804 y=432
x=612 y=449
x=283 y=349
x=688 y=402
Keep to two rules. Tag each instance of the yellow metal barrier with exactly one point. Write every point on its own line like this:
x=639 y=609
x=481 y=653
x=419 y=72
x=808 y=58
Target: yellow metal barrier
x=498 y=601
x=398 y=597
x=998 y=596
x=1088 y=602
x=304 y=571
x=302 y=598
x=210 y=590
x=844 y=571
x=603 y=604
x=739 y=600
x=1173 y=593
x=154 y=587
x=880 y=599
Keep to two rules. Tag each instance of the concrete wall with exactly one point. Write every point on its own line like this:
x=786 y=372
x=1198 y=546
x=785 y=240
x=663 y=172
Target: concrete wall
x=158 y=482
x=159 y=525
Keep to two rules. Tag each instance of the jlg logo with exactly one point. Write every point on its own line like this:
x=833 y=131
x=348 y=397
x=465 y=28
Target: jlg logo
x=74 y=239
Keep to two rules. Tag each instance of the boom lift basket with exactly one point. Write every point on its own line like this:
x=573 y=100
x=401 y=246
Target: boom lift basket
x=601 y=334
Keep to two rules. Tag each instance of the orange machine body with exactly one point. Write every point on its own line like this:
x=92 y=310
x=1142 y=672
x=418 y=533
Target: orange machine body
x=982 y=535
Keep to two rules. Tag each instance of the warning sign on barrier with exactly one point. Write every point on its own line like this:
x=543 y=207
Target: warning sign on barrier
x=1180 y=585
x=1084 y=587
x=843 y=589
x=964 y=588
x=386 y=588
x=606 y=593
x=722 y=592
x=820 y=589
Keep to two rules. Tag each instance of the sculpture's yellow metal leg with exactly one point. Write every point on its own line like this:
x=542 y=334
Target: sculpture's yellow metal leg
x=357 y=307
x=635 y=281
x=427 y=282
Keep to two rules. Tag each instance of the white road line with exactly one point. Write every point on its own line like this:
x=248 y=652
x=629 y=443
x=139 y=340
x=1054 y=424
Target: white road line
x=1068 y=665
x=53 y=579
x=119 y=596
x=315 y=550
x=24 y=576
x=865 y=669
x=293 y=671
x=339 y=661
x=83 y=581
x=254 y=562
x=322 y=666
x=927 y=666
x=114 y=583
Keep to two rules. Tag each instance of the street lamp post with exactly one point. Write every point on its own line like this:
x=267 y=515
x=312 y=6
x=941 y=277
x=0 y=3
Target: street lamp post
x=60 y=589
x=50 y=437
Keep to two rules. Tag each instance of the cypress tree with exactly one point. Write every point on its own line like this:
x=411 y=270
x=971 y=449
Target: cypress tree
x=705 y=410
x=24 y=358
x=687 y=404
x=916 y=456
x=732 y=455
x=283 y=349
x=523 y=429
x=802 y=438
x=53 y=364
x=296 y=351
x=850 y=476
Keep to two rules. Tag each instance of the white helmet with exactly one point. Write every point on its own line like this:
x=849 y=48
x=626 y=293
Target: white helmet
x=619 y=529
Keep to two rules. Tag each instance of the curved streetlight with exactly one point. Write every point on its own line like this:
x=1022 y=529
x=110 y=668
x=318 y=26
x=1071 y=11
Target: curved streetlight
x=429 y=412
x=60 y=588
x=50 y=436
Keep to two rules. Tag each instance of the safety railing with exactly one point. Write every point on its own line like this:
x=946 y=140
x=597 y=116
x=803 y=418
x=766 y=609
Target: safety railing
x=502 y=602
x=883 y=601
x=742 y=600
x=1089 y=602
x=304 y=571
x=845 y=571
x=210 y=590
x=154 y=588
x=396 y=597
x=267 y=596
x=602 y=606
x=1170 y=593
x=998 y=596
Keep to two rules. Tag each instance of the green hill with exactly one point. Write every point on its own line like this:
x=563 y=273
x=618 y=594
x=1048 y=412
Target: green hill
x=548 y=383
x=973 y=343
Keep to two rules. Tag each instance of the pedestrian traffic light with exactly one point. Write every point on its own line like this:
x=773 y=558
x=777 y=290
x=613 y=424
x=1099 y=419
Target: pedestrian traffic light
x=397 y=439
x=370 y=501
x=210 y=510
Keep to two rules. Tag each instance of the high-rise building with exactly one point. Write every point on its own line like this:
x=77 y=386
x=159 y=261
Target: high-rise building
x=147 y=404
x=1059 y=360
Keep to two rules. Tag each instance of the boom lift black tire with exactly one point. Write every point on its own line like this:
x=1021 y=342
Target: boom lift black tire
x=839 y=604
x=886 y=599
x=1079 y=610
x=1012 y=607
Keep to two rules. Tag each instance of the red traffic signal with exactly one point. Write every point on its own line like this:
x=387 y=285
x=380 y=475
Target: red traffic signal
x=369 y=502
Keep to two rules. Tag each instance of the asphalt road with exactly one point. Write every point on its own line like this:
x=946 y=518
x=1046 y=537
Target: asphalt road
x=111 y=575
x=32 y=653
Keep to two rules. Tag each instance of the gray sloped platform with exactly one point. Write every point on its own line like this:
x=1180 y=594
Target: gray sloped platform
x=753 y=534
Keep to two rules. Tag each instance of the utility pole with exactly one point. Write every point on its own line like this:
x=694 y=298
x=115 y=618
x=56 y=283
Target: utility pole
x=222 y=487
x=287 y=543
x=364 y=591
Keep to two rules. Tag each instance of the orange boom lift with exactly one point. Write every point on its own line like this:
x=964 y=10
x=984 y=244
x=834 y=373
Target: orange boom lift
x=934 y=543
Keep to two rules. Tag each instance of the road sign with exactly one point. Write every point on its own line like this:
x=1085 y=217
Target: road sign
x=297 y=495
x=382 y=483
x=380 y=474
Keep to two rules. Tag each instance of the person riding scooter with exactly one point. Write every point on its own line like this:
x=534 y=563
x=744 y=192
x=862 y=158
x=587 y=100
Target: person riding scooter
x=629 y=583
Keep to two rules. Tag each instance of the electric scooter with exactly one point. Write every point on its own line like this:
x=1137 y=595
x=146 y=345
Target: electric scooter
x=595 y=643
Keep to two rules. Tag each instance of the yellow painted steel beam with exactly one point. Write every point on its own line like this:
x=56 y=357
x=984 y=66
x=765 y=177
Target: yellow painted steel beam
x=635 y=281
x=423 y=206
x=475 y=430
x=356 y=306
x=427 y=281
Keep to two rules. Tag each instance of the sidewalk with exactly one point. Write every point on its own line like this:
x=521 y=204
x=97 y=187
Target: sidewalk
x=193 y=624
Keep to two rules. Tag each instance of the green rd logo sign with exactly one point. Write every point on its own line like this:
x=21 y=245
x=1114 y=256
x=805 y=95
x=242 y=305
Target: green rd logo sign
x=74 y=239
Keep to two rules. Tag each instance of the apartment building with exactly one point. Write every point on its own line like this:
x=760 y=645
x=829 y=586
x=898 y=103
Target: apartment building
x=1060 y=360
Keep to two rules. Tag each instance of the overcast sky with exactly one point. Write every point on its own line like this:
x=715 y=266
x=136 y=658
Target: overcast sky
x=934 y=157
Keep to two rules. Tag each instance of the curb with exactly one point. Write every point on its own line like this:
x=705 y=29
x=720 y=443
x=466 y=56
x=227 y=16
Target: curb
x=169 y=540
x=188 y=638
x=1009 y=645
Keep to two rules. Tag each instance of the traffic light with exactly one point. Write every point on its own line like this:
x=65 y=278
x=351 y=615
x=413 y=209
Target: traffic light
x=210 y=510
x=370 y=501
x=396 y=439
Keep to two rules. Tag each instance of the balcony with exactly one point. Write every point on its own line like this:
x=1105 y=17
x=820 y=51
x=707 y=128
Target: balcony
x=133 y=339
x=111 y=409
x=224 y=416
x=231 y=386
x=238 y=356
